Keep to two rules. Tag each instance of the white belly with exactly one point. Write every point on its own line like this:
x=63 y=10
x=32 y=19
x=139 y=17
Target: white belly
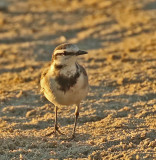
x=72 y=96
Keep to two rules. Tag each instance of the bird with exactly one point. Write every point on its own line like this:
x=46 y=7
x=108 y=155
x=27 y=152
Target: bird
x=65 y=81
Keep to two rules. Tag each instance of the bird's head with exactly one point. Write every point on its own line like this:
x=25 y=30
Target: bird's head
x=66 y=53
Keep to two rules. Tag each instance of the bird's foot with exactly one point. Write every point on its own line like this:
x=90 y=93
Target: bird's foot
x=72 y=137
x=55 y=131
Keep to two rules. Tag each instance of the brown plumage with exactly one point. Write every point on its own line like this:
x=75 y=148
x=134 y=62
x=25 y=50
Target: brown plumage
x=65 y=82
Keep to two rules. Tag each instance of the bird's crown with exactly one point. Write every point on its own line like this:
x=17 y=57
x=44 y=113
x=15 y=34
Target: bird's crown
x=68 y=49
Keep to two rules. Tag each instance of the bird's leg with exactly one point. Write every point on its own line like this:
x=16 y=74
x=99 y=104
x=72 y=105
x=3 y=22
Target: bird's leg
x=76 y=117
x=56 y=128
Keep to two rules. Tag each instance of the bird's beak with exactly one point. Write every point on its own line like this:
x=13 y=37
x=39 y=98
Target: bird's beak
x=81 y=52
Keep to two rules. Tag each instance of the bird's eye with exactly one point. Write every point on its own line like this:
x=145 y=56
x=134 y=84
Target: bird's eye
x=68 y=53
x=65 y=53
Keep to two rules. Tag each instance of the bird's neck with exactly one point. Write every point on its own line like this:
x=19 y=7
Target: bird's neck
x=68 y=69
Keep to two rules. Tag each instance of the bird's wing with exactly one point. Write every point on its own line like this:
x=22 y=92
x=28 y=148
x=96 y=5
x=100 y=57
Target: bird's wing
x=83 y=70
x=43 y=75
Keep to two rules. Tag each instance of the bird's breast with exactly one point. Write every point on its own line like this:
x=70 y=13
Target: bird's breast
x=73 y=91
x=64 y=89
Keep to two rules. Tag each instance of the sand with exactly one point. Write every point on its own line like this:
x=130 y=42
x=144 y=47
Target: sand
x=118 y=117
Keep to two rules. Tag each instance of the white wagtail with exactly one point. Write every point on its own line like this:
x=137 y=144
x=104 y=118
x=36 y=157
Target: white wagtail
x=65 y=82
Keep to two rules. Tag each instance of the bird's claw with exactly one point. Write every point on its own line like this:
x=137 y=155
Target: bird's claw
x=56 y=130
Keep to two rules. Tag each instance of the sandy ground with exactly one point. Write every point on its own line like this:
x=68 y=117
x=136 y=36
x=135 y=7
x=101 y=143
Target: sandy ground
x=118 y=117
